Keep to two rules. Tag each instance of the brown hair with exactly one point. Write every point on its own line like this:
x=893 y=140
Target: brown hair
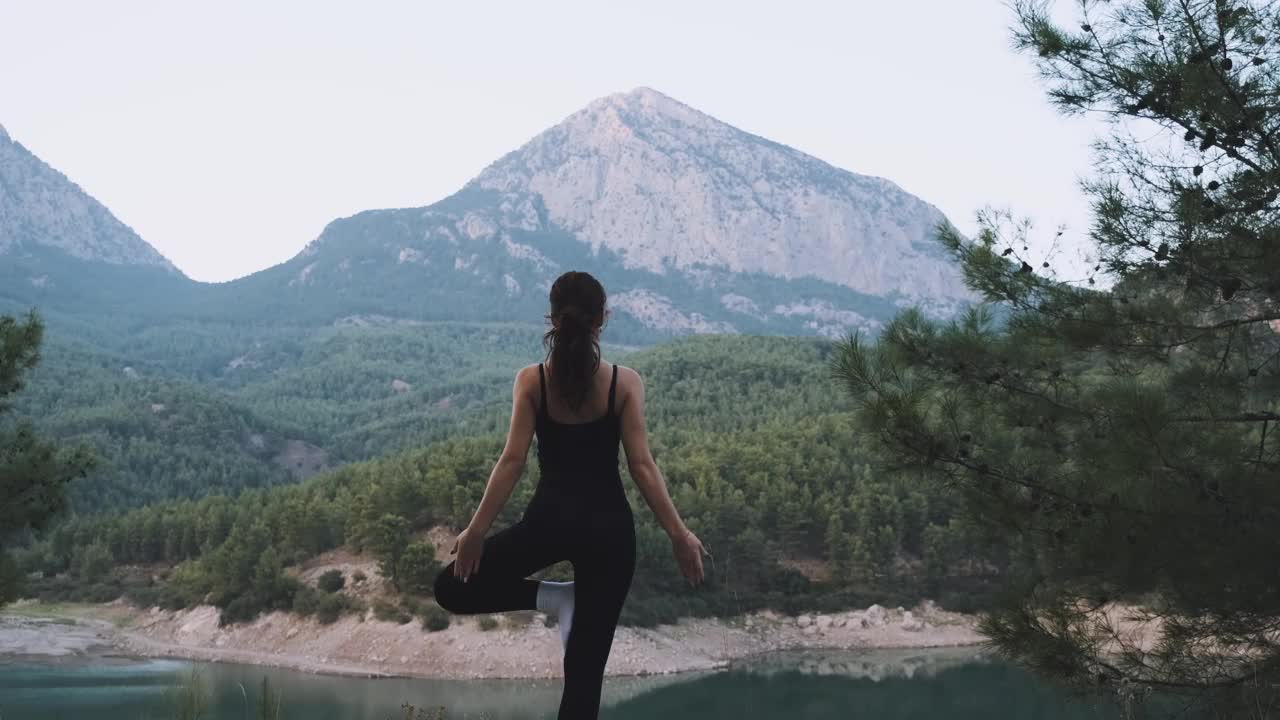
x=577 y=309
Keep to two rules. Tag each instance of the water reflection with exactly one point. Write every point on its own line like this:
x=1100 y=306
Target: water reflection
x=827 y=686
x=955 y=684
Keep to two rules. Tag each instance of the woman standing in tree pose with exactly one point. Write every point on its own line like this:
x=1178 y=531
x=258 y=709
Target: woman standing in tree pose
x=580 y=408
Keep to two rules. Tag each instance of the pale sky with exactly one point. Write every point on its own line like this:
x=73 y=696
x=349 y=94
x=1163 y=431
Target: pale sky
x=228 y=134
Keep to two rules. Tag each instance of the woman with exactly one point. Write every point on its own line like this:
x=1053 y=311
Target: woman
x=580 y=408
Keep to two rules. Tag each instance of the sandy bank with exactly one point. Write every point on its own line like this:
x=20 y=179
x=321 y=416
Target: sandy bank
x=369 y=647
x=53 y=639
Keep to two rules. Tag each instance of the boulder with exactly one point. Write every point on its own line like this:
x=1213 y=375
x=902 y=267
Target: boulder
x=910 y=623
x=804 y=621
x=875 y=616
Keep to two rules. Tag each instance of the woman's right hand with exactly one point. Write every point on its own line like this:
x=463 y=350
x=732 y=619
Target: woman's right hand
x=688 y=550
x=468 y=548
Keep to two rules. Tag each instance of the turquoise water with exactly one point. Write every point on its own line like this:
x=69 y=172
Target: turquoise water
x=805 y=687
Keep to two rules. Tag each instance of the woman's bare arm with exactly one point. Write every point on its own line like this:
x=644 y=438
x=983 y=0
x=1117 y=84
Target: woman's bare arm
x=511 y=462
x=502 y=480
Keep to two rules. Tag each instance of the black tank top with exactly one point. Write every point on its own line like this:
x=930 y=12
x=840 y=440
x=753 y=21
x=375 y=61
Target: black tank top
x=579 y=461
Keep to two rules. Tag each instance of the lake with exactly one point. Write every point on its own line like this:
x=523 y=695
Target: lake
x=958 y=685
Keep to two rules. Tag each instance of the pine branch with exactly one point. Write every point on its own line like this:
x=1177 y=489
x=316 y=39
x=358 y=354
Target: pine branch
x=1227 y=86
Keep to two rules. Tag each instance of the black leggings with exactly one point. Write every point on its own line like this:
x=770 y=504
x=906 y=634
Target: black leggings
x=602 y=548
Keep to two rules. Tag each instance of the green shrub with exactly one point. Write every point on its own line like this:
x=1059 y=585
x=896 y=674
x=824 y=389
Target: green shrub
x=240 y=609
x=387 y=612
x=326 y=607
x=332 y=581
x=162 y=594
x=94 y=563
x=487 y=623
x=331 y=607
x=434 y=618
x=306 y=601
x=145 y=597
x=412 y=605
x=418 y=567
x=100 y=593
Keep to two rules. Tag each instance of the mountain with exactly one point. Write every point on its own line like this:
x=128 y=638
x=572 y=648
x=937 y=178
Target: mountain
x=401 y=326
x=59 y=246
x=694 y=227
x=40 y=207
x=669 y=188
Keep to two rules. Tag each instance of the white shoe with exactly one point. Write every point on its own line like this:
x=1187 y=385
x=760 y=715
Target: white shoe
x=558 y=598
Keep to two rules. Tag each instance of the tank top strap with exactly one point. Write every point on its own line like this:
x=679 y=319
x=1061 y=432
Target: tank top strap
x=613 y=385
x=542 y=385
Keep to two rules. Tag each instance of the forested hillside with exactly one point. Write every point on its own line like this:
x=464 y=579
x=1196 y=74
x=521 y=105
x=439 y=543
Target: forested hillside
x=761 y=458
x=186 y=412
x=155 y=437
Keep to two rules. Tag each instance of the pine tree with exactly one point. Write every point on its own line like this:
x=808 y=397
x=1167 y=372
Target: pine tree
x=33 y=473
x=417 y=567
x=1121 y=441
x=837 y=546
x=390 y=537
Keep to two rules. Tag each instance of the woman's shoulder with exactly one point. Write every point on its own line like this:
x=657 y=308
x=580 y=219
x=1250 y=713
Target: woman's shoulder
x=528 y=375
x=628 y=377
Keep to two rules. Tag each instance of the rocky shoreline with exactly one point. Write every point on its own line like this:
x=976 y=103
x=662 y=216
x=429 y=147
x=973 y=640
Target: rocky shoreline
x=519 y=647
x=46 y=640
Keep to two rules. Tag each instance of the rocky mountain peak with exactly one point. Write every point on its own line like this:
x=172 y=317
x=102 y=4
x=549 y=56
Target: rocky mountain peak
x=671 y=189
x=41 y=209
x=645 y=104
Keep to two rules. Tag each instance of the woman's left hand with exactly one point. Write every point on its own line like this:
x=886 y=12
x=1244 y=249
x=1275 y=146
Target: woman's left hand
x=468 y=548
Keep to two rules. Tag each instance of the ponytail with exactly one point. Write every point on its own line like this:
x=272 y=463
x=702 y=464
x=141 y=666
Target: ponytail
x=577 y=309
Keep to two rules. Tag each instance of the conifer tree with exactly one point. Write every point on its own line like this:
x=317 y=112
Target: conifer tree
x=1119 y=433
x=33 y=473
